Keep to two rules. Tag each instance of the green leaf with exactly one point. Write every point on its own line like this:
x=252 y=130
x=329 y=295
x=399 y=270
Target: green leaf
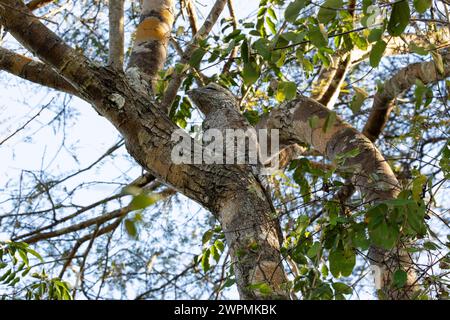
x=295 y=37
x=314 y=250
x=359 y=239
x=359 y=41
x=293 y=10
x=197 y=57
x=329 y=121
x=207 y=236
x=422 y=5
x=305 y=188
x=286 y=91
x=438 y=61
x=142 y=201
x=205 y=260
x=342 y=288
x=430 y=245
x=219 y=245
x=417 y=186
x=342 y=262
x=272 y=13
x=263 y=288
x=318 y=36
x=375 y=35
x=381 y=233
x=271 y=25
x=420 y=92
x=384 y=234
x=399 y=278
x=415 y=217
x=245 y=53
x=23 y=255
x=215 y=253
x=250 y=74
x=444 y=163
x=130 y=227
x=346 y=155
x=298 y=257
x=262 y=48
x=377 y=53
x=399 y=20
x=358 y=99
x=416 y=49
x=324 y=270
x=328 y=10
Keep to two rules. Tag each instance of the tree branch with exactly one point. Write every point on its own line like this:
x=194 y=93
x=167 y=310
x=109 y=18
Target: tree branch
x=36 y=4
x=152 y=37
x=33 y=71
x=119 y=213
x=384 y=100
x=192 y=16
x=328 y=87
x=177 y=77
x=370 y=171
x=116 y=33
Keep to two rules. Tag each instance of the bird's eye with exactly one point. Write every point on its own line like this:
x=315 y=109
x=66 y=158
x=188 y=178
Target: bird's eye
x=211 y=88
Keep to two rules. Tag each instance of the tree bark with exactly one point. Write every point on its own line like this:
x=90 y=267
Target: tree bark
x=370 y=172
x=152 y=38
x=230 y=192
x=384 y=100
x=116 y=33
x=33 y=71
x=177 y=77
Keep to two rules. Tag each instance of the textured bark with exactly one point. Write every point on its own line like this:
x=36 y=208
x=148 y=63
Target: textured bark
x=330 y=97
x=149 y=52
x=33 y=71
x=36 y=4
x=370 y=171
x=384 y=100
x=324 y=79
x=328 y=87
x=177 y=77
x=116 y=33
x=232 y=193
x=247 y=215
x=192 y=16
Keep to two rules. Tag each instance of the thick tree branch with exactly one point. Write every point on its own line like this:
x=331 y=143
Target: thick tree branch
x=116 y=33
x=370 y=171
x=36 y=4
x=123 y=101
x=192 y=16
x=33 y=71
x=152 y=37
x=384 y=100
x=229 y=192
x=177 y=77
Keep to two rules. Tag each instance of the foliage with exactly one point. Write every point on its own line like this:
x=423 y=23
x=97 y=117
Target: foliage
x=172 y=249
x=15 y=264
